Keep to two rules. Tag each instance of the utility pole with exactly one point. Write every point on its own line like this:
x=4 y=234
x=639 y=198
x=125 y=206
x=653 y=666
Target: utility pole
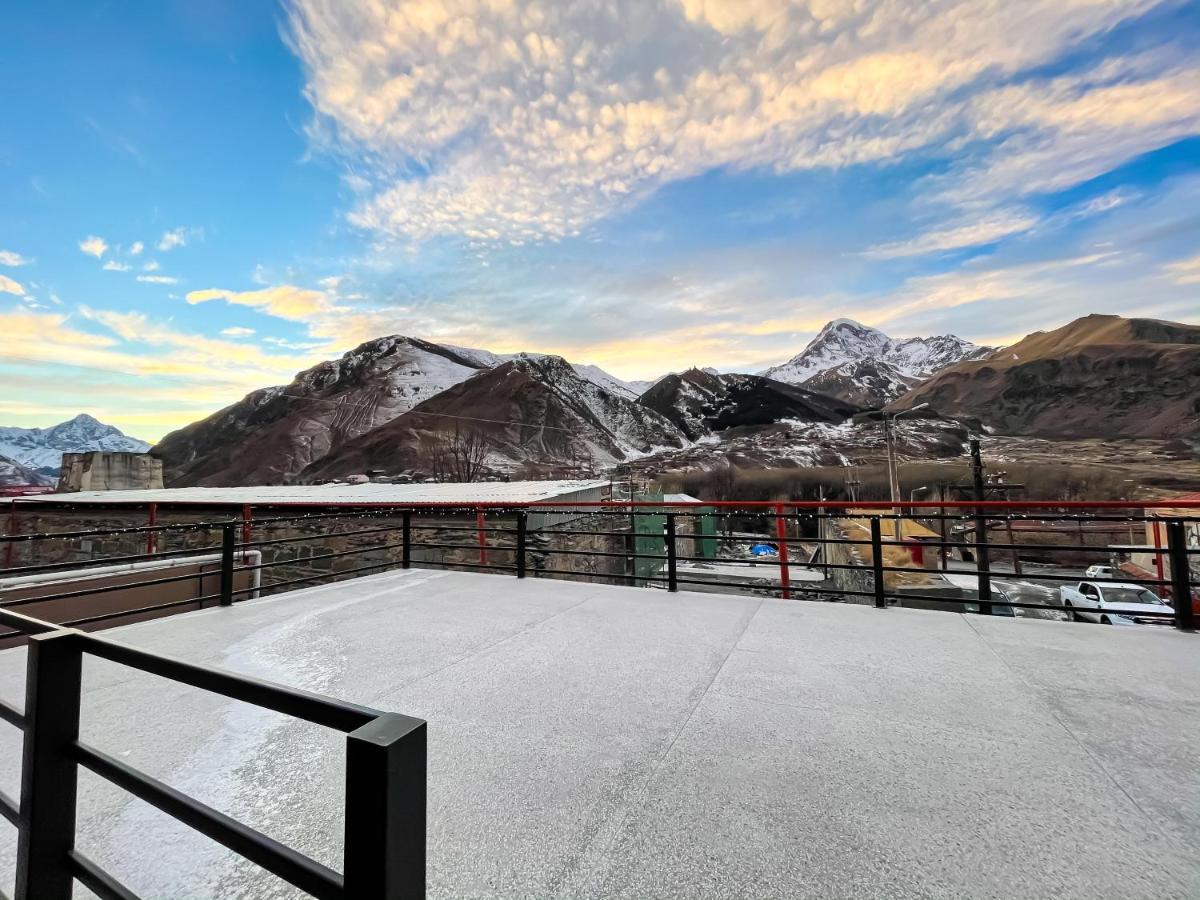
x=981 y=551
x=893 y=469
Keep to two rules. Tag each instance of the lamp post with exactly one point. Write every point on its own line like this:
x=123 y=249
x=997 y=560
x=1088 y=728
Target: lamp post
x=890 y=443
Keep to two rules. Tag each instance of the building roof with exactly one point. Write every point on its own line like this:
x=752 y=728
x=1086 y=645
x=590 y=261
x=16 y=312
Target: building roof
x=321 y=494
x=681 y=498
x=587 y=740
x=909 y=528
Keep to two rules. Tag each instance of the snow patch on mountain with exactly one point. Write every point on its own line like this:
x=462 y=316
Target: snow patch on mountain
x=42 y=448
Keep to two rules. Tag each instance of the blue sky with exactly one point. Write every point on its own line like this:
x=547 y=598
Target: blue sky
x=201 y=199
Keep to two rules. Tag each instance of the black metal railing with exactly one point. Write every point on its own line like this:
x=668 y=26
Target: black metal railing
x=648 y=544
x=385 y=805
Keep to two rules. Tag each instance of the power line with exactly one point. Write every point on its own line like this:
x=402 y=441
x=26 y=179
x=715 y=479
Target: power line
x=422 y=413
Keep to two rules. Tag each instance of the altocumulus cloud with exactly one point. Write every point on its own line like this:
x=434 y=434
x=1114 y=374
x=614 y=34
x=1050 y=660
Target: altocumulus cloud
x=495 y=120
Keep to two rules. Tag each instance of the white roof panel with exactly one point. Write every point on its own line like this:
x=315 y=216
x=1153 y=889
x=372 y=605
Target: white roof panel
x=477 y=492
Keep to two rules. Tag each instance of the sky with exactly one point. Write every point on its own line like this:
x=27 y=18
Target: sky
x=201 y=199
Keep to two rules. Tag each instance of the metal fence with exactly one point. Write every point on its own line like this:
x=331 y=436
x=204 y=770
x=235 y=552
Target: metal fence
x=384 y=853
x=877 y=553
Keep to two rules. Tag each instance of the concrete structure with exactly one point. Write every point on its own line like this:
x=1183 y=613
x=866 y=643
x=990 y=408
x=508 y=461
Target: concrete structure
x=105 y=471
x=589 y=741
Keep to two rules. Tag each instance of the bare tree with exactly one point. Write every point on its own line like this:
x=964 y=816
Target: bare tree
x=460 y=457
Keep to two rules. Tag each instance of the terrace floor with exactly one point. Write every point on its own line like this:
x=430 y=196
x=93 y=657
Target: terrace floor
x=594 y=741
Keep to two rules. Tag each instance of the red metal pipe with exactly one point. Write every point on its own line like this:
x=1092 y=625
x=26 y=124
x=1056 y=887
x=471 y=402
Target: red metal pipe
x=781 y=535
x=483 y=555
x=152 y=536
x=717 y=504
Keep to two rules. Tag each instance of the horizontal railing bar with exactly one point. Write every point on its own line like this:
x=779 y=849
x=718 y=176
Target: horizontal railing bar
x=96 y=880
x=556 y=551
x=474 y=547
x=773 y=588
x=108 y=560
x=300 y=560
x=10 y=713
x=120 y=614
x=10 y=809
x=25 y=624
x=293 y=867
x=87 y=592
x=132 y=529
x=336 y=714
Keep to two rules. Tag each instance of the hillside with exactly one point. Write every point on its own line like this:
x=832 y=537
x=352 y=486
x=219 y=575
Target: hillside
x=1099 y=376
x=529 y=410
x=701 y=402
x=12 y=473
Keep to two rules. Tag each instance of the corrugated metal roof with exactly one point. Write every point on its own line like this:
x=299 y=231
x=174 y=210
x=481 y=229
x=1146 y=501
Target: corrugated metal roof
x=479 y=492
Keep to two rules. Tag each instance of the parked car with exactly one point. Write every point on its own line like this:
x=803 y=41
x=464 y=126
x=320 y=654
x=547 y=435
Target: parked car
x=1114 y=603
x=1105 y=573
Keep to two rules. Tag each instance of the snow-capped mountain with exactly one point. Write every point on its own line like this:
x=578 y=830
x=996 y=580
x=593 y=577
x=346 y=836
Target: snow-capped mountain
x=42 y=448
x=273 y=434
x=862 y=365
x=532 y=410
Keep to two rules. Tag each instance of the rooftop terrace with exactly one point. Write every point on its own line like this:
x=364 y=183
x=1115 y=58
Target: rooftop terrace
x=599 y=741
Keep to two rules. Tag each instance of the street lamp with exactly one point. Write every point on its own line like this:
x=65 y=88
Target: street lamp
x=889 y=442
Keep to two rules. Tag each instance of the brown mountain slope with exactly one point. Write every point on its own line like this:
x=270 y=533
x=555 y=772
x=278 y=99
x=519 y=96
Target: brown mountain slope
x=529 y=410
x=273 y=433
x=1099 y=376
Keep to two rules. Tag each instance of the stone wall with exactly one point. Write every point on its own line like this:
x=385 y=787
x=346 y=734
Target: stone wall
x=100 y=471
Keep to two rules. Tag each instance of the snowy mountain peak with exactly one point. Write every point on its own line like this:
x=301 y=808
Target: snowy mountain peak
x=42 y=448
x=863 y=365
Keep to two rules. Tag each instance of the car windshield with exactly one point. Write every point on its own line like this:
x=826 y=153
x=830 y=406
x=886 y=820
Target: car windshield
x=1130 y=595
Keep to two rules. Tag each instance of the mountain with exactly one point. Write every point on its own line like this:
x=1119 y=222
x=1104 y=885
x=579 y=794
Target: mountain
x=1099 y=376
x=270 y=435
x=700 y=401
x=529 y=410
x=13 y=473
x=42 y=448
x=864 y=366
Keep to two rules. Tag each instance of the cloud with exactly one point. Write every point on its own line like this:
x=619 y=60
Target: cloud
x=9 y=258
x=985 y=231
x=175 y=238
x=8 y=286
x=498 y=121
x=284 y=301
x=1185 y=271
x=113 y=266
x=151 y=266
x=136 y=248
x=158 y=279
x=94 y=246
x=237 y=332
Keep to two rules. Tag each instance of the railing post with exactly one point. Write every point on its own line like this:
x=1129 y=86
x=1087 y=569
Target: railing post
x=385 y=809
x=672 y=577
x=406 y=540
x=49 y=775
x=228 y=541
x=877 y=564
x=781 y=542
x=522 y=524
x=1181 y=576
x=482 y=535
x=152 y=536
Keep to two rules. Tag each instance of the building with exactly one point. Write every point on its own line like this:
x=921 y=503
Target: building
x=104 y=471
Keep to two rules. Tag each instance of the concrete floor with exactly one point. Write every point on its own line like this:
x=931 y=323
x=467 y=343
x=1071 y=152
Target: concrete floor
x=592 y=741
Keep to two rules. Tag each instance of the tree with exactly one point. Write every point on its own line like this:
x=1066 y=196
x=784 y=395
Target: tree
x=460 y=457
